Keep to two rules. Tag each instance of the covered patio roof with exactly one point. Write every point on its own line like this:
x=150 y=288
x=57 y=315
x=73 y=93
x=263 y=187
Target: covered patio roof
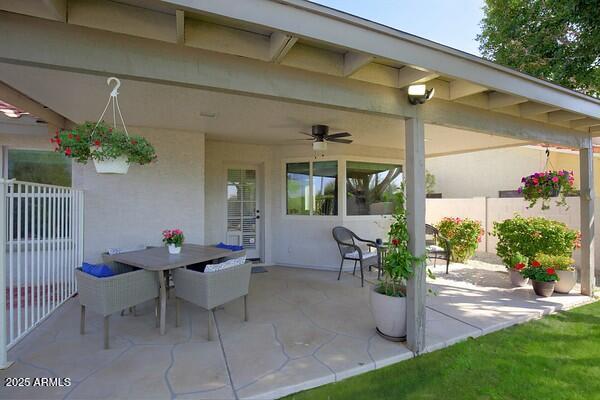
x=261 y=70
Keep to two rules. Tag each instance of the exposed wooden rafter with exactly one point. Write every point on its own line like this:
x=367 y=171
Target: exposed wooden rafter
x=528 y=109
x=355 y=61
x=180 y=26
x=408 y=75
x=584 y=122
x=281 y=44
x=561 y=116
x=459 y=89
x=500 y=100
x=18 y=99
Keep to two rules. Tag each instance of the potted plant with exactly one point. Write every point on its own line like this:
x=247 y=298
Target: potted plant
x=111 y=149
x=463 y=235
x=173 y=238
x=543 y=278
x=518 y=263
x=567 y=276
x=388 y=299
x=531 y=236
x=543 y=185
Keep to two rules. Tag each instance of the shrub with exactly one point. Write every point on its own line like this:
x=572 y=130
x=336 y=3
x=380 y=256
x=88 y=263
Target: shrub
x=530 y=236
x=463 y=235
x=560 y=263
x=538 y=272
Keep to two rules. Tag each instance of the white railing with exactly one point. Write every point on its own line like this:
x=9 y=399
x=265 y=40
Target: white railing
x=43 y=242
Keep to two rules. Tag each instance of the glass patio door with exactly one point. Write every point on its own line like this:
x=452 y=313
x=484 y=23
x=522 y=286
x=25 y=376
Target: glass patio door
x=242 y=212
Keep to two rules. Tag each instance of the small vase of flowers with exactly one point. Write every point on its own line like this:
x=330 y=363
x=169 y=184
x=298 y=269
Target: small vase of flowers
x=544 y=185
x=543 y=278
x=173 y=238
x=518 y=264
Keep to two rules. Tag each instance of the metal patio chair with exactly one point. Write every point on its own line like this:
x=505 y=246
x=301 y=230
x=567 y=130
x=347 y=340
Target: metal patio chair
x=350 y=250
x=435 y=252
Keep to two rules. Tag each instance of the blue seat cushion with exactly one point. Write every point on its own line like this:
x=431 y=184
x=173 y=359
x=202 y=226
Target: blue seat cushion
x=231 y=247
x=97 y=270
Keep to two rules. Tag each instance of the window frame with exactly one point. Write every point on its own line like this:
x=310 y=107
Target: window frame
x=4 y=166
x=342 y=161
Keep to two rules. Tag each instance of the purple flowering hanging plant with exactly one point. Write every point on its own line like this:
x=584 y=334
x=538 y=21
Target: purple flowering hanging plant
x=544 y=185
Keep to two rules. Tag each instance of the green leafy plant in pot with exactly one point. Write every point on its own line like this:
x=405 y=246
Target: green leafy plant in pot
x=543 y=278
x=565 y=270
x=517 y=264
x=388 y=299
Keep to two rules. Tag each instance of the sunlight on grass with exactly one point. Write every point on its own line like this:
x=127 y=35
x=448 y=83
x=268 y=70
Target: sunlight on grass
x=557 y=357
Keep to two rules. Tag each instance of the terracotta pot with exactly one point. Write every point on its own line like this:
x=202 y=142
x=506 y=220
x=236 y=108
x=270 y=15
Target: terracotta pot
x=544 y=289
x=567 y=280
x=389 y=314
x=517 y=279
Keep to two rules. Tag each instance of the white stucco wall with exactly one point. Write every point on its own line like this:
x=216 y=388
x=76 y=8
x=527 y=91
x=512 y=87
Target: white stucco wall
x=131 y=210
x=483 y=173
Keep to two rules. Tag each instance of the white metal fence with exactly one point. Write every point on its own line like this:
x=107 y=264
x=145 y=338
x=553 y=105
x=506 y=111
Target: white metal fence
x=43 y=242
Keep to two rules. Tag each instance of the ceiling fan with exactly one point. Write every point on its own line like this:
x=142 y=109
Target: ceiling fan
x=320 y=136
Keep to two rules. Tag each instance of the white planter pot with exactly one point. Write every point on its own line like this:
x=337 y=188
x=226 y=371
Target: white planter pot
x=173 y=249
x=117 y=165
x=389 y=314
x=566 y=281
x=517 y=279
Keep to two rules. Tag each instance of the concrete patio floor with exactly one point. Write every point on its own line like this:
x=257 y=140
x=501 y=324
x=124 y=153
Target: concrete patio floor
x=305 y=329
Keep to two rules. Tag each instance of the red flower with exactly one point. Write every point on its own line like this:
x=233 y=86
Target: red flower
x=133 y=141
x=57 y=140
x=519 y=266
x=68 y=152
x=70 y=136
x=77 y=138
x=550 y=271
x=535 y=263
x=395 y=242
x=97 y=143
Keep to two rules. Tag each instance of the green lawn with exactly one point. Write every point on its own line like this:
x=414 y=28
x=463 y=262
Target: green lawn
x=557 y=357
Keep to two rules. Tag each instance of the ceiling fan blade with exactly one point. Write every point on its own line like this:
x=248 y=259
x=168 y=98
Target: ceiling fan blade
x=303 y=139
x=345 y=141
x=339 y=135
x=305 y=133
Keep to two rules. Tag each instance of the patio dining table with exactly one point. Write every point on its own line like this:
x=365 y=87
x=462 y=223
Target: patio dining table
x=160 y=260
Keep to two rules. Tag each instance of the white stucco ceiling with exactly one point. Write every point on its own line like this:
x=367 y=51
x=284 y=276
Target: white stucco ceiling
x=81 y=97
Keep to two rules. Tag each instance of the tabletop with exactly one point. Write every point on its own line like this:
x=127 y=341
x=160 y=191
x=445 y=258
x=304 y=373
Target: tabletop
x=159 y=259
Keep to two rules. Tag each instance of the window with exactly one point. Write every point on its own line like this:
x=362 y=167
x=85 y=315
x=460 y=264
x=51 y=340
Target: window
x=312 y=188
x=325 y=183
x=371 y=188
x=39 y=166
x=298 y=178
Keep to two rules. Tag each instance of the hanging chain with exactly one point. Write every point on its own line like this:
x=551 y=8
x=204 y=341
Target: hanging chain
x=112 y=98
x=548 y=165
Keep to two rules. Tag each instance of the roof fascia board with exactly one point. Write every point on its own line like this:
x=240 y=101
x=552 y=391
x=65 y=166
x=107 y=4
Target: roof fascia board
x=320 y=23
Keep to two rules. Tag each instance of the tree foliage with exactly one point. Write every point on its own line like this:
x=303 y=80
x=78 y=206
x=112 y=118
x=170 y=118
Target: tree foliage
x=558 y=40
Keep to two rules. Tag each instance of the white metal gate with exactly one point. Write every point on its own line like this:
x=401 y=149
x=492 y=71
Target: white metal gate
x=43 y=242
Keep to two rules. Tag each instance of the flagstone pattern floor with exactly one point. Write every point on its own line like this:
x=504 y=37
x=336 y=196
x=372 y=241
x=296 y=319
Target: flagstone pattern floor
x=305 y=329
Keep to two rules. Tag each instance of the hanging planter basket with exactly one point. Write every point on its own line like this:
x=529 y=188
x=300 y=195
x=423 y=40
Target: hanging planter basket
x=111 y=148
x=546 y=185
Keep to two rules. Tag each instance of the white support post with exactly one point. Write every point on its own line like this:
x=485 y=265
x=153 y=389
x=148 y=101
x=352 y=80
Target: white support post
x=415 y=214
x=4 y=363
x=586 y=198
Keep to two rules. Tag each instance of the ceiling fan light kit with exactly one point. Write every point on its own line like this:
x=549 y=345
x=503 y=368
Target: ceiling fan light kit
x=320 y=136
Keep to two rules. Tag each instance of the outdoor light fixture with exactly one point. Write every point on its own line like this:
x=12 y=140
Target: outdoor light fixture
x=419 y=94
